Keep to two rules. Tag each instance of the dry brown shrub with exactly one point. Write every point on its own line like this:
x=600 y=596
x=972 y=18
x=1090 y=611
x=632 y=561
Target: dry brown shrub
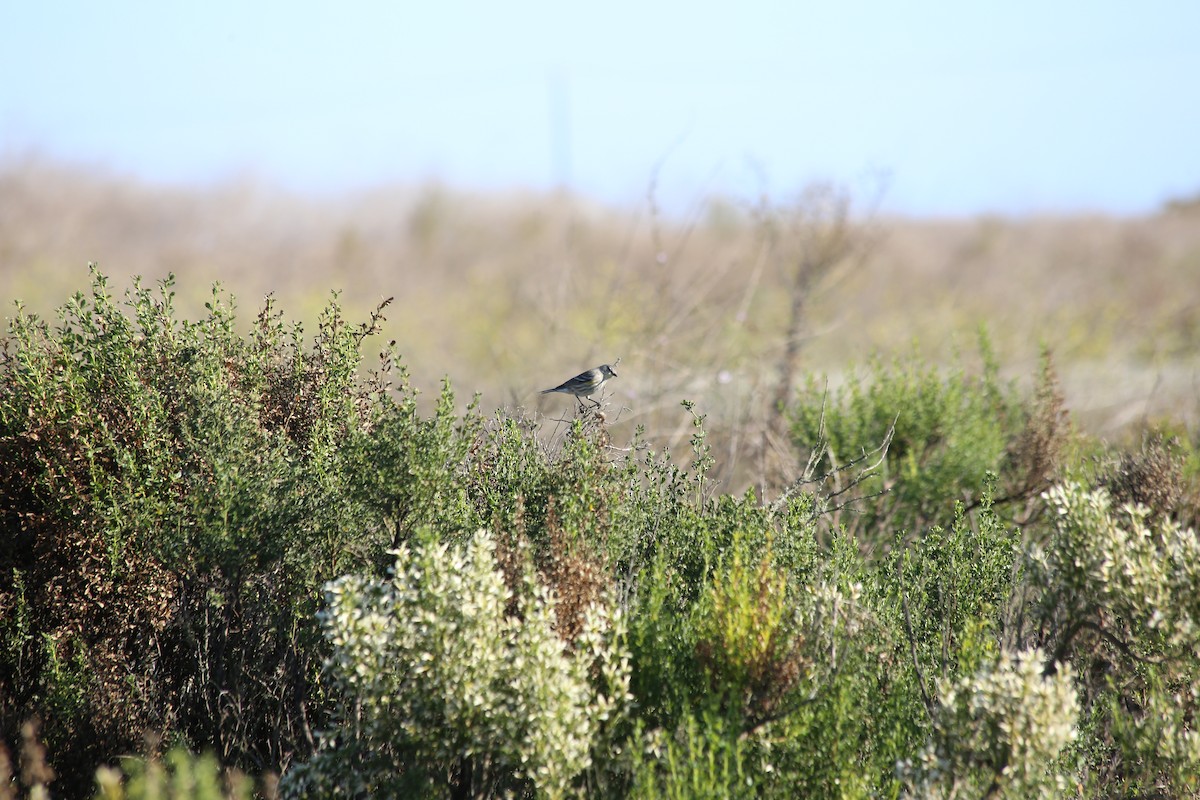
x=1152 y=477
x=564 y=564
x=89 y=602
x=578 y=579
x=1035 y=455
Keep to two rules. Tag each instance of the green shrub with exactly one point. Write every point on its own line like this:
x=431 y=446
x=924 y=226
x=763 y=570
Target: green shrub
x=943 y=434
x=175 y=495
x=252 y=547
x=179 y=776
x=747 y=639
x=772 y=665
x=702 y=758
x=949 y=591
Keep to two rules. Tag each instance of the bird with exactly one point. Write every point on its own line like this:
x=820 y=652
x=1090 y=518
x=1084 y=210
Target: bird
x=585 y=384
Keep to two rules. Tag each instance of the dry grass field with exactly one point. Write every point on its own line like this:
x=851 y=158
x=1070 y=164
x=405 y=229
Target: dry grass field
x=509 y=294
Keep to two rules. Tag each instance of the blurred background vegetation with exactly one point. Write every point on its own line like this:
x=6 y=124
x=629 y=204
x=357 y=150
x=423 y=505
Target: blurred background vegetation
x=507 y=294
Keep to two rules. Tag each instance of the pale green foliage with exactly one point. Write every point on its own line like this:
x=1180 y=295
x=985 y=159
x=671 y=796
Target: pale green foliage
x=999 y=732
x=1121 y=599
x=1117 y=577
x=183 y=776
x=442 y=685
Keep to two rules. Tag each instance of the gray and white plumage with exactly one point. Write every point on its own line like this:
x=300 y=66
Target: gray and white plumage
x=585 y=384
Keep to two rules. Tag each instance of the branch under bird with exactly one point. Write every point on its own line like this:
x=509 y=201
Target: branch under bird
x=585 y=384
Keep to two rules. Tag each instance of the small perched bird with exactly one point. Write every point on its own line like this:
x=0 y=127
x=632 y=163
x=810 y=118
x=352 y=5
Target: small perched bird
x=585 y=384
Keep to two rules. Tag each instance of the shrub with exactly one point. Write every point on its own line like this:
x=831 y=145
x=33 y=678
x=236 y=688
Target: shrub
x=1152 y=477
x=442 y=690
x=943 y=434
x=747 y=639
x=701 y=759
x=760 y=675
x=174 y=497
x=949 y=591
x=1120 y=598
x=231 y=541
x=180 y=775
x=999 y=733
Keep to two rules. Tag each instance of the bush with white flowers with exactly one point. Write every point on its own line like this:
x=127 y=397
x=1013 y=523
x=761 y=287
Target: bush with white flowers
x=999 y=733
x=1118 y=594
x=442 y=687
x=1113 y=577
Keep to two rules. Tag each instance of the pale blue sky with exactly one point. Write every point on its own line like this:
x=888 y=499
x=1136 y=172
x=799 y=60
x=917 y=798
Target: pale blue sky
x=970 y=107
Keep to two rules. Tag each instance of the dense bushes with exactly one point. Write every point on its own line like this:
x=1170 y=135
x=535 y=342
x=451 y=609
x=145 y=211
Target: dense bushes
x=450 y=678
x=944 y=433
x=241 y=544
x=174 y=496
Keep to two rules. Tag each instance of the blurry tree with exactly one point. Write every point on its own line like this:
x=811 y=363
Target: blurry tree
x=811 y=243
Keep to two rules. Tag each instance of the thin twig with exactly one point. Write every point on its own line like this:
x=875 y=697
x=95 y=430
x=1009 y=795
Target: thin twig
x=912 y=644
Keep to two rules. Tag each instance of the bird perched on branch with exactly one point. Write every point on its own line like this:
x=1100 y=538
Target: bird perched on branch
x=585 y=384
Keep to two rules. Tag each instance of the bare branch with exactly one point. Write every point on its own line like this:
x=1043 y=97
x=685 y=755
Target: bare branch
x=912 y=645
